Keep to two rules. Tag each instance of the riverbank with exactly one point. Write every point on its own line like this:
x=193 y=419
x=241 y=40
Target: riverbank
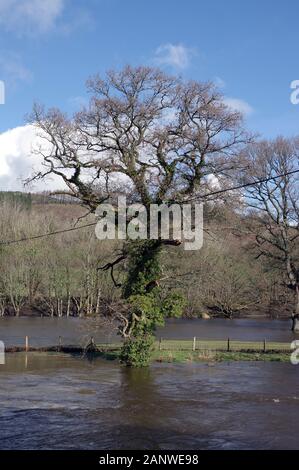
x=166 y=356
x=184 y=351
x=184 y=357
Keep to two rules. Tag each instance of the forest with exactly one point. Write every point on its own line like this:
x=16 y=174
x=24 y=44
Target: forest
x=59 y=275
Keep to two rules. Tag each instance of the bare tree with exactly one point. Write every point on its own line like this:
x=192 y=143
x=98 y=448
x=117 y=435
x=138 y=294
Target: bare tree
x=155 y=133
x=275 y=208
x=153 y=136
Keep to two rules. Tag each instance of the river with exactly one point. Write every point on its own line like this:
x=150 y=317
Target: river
x=62 y=402
x=46 y=331
x=56 y=401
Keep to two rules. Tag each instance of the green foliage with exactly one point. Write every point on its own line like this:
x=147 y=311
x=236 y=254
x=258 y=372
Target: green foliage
x=150 y=310
x=147 y=303
x=143 y=268
x=136 y=352
x=173 y=305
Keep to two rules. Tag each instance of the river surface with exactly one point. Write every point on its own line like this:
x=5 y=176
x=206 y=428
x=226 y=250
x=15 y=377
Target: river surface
x=46 y=331
x=63 y=402
x=58 y=401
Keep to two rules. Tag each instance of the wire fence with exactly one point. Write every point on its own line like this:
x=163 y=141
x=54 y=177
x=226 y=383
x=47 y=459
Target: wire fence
x=214 y=345
x=161 y=344
x=227 y=344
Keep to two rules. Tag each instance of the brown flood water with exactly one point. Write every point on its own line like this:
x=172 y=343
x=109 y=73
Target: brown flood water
x=46 y=331
x=63 y=402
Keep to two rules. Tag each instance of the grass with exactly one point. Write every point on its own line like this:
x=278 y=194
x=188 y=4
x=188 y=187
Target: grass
x=181 y=351
x=209 y=356
x=270 y=356
x=221 y=345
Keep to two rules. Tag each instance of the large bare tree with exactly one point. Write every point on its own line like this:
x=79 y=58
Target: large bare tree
x=154 y=137
x=275 y=207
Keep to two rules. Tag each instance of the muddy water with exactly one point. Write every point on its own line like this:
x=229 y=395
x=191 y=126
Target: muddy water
x=63 y=402
x=46 y=331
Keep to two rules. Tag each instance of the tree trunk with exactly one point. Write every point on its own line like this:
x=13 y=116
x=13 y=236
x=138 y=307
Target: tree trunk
x=295 y=320
x=68 y=309
x=295 y=316
x=297 y=300
x=97 y=310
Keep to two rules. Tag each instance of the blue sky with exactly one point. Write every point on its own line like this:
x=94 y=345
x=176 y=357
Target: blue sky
x=48 y=48
x=252 y=48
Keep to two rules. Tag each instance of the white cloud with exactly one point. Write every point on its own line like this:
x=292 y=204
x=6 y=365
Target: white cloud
x=213 y=181
x=219 y=82
x=239 y=105
x=34 y=16
x=17 y=161
x=12 y=69
x=79 y=18
x=177 y=56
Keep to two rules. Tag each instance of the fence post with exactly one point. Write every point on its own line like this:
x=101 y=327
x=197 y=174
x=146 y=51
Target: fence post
x=60 y=342
x=264 y=345
x=26 y=343
x=194 y=344
x=160 y=344
x=228 y=345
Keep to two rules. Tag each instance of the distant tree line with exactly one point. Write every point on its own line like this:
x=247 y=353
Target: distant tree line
x=16 y=197
x=59 y=276
x=26 y=200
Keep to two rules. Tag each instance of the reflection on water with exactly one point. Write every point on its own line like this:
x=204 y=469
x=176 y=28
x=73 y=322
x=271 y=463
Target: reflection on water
x=46 y=331
x=63 y=402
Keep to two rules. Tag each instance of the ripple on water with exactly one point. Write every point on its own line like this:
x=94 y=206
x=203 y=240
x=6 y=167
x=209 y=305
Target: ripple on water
x=68 y=403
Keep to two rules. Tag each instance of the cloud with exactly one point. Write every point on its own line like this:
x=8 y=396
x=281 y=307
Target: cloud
x=79 y=18
x=239 y=105
x=213 y=181
x=219 y=82
x=177 y=56
x=12 y=69
x=30 y=16
x=17 y=161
